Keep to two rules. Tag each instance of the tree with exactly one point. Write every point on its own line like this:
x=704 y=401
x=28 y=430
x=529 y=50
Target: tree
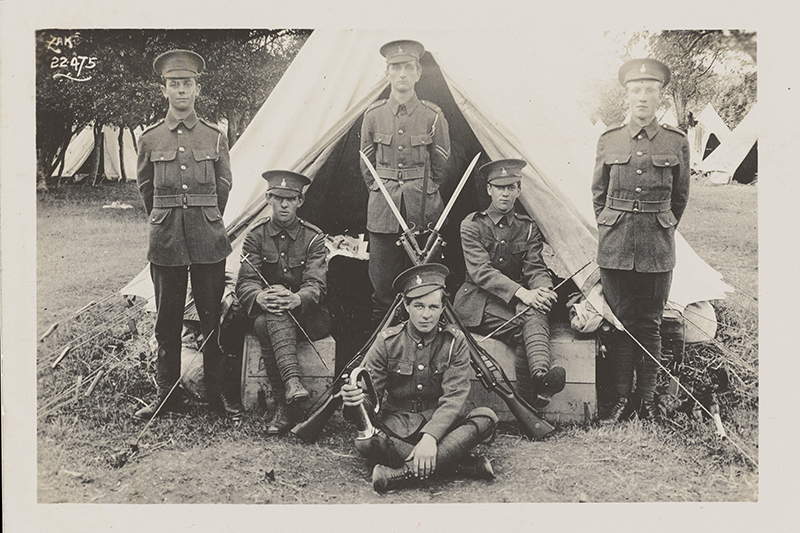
x=105 y=77
x=714 y=66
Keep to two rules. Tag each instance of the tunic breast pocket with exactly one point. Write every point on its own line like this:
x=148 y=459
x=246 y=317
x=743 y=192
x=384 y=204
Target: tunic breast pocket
x=616 y=163
x=204 y=165
x=419 y=147
x=666 y=164
x=165 y=168
x=383 y=156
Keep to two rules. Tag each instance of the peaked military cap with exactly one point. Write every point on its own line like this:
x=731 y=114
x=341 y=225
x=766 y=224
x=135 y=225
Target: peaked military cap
x=285 y=183
x=644 y=69
x=421 y=280
x=503 y=171
x=179 y=64
x=402 y=51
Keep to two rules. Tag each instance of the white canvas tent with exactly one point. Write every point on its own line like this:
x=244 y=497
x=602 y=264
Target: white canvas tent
x=728 y=158
x=314 y=110
x=82 y=145
x=709 y=124
x=599 y=127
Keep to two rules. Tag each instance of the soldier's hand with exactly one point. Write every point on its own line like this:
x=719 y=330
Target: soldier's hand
x=423 y=457
x=540 y=299
x=352 y=395
x=547 y=296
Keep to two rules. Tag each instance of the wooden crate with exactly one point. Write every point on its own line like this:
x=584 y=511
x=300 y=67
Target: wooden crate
x=256 y=388
x=576 y=353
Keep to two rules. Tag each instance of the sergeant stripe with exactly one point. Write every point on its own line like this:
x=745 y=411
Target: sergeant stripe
x=368 y=150
x=444 y=153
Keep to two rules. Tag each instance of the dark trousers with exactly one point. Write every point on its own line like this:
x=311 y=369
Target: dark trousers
x=387 y=450
x=637 y=299
x=208 y=285
x=386 y=262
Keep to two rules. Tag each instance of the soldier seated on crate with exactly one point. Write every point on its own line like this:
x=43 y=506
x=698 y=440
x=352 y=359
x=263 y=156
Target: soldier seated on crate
x=284 y=270
x=505 y=274
x=424 y=367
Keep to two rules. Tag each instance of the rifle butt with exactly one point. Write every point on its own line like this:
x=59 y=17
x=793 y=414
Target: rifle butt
x=310 y=429
x=532 y=425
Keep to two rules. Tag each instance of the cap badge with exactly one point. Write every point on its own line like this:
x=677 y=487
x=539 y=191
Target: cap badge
x=418 y=280
x=283 y=182
x=503 y=171
x=643 y=69
x=399 y=49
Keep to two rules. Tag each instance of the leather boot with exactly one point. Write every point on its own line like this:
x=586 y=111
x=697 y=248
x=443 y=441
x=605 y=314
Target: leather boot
x=550 y=383
x=385 y=478
x=475 y=467
x=295 y=392
x=649 y=411
x=621 y=410
x=231 y=407
x=281 y=421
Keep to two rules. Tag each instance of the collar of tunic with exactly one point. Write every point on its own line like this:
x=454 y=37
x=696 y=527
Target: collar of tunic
x=172 y=122
x=651 y=129
x=411 y=105
x=292 y=229
x=497 y=217
x=419 y=338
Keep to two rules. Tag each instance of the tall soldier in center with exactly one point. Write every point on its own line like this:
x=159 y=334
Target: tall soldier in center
x=408 y=142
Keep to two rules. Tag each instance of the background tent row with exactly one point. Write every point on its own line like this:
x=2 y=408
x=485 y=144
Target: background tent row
x=77 y=160
x=311 y=123
x=736 y=158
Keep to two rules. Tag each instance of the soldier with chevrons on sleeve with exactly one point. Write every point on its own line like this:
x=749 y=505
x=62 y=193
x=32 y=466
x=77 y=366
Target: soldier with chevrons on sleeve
x=407 y=140
x=184 y=178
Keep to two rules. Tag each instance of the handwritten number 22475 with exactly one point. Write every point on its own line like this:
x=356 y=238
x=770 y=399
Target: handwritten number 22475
x=78 y=63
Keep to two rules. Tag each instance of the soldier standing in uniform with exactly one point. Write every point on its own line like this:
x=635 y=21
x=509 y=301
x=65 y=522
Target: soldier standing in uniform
x=640 y=189
x=505 y=274
x=290 y=254
x=184 y=178
x=408 y=142
x=424 y=428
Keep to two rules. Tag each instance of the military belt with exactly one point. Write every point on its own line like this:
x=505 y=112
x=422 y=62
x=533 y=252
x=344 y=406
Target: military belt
x=185 y=200
x=638 y=206
x=399 y=174
x=417 y=405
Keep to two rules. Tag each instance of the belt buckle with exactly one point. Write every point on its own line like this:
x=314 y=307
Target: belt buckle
x=636 y=205
x=418 y=405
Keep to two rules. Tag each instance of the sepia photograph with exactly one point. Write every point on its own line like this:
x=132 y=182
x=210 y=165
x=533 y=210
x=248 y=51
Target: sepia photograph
x=299 y=265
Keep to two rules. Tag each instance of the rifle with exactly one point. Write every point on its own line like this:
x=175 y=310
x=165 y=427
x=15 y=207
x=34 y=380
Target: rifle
x=323 y=408
x=486 y=368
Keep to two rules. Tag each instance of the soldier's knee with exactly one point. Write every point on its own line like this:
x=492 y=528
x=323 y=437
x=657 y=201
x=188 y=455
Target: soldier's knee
x=484 y=419
x=379 y=449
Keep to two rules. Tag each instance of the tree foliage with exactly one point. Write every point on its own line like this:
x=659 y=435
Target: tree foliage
x=707 y=66
x=105 y=77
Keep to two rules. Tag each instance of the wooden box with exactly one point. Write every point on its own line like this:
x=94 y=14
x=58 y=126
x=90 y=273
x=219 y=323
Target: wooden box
x=256 y=388
x=575 y=352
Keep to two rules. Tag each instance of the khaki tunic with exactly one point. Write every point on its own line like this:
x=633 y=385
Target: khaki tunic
x=502 y=254
x=403 y=142
x=184 y=177
x=433 y=371
x=294 y=256
x=640 y=189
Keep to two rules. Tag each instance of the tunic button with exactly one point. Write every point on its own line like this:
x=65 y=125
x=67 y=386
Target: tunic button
x=635 y=209
x=286 y=270
x=638 y=153
x=421 y=367
x=181 y=149
x=186 y=207
x=419 y=387
x=502 y=242
x=399 y=165
x=283 y=236
x=501 y=259
x=302 y=262
x=400 y=182
x=180 y=132
x=638 y=189
x=183 y=167
x=502 y=226
x=420 y=347
x=399 y=132
x=639 y=137
x=400 y=148
x=639 y=171
x=283 y=254
x=184 y=186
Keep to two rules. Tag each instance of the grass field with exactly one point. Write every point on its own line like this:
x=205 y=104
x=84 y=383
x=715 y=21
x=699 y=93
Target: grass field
x=86 y=252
